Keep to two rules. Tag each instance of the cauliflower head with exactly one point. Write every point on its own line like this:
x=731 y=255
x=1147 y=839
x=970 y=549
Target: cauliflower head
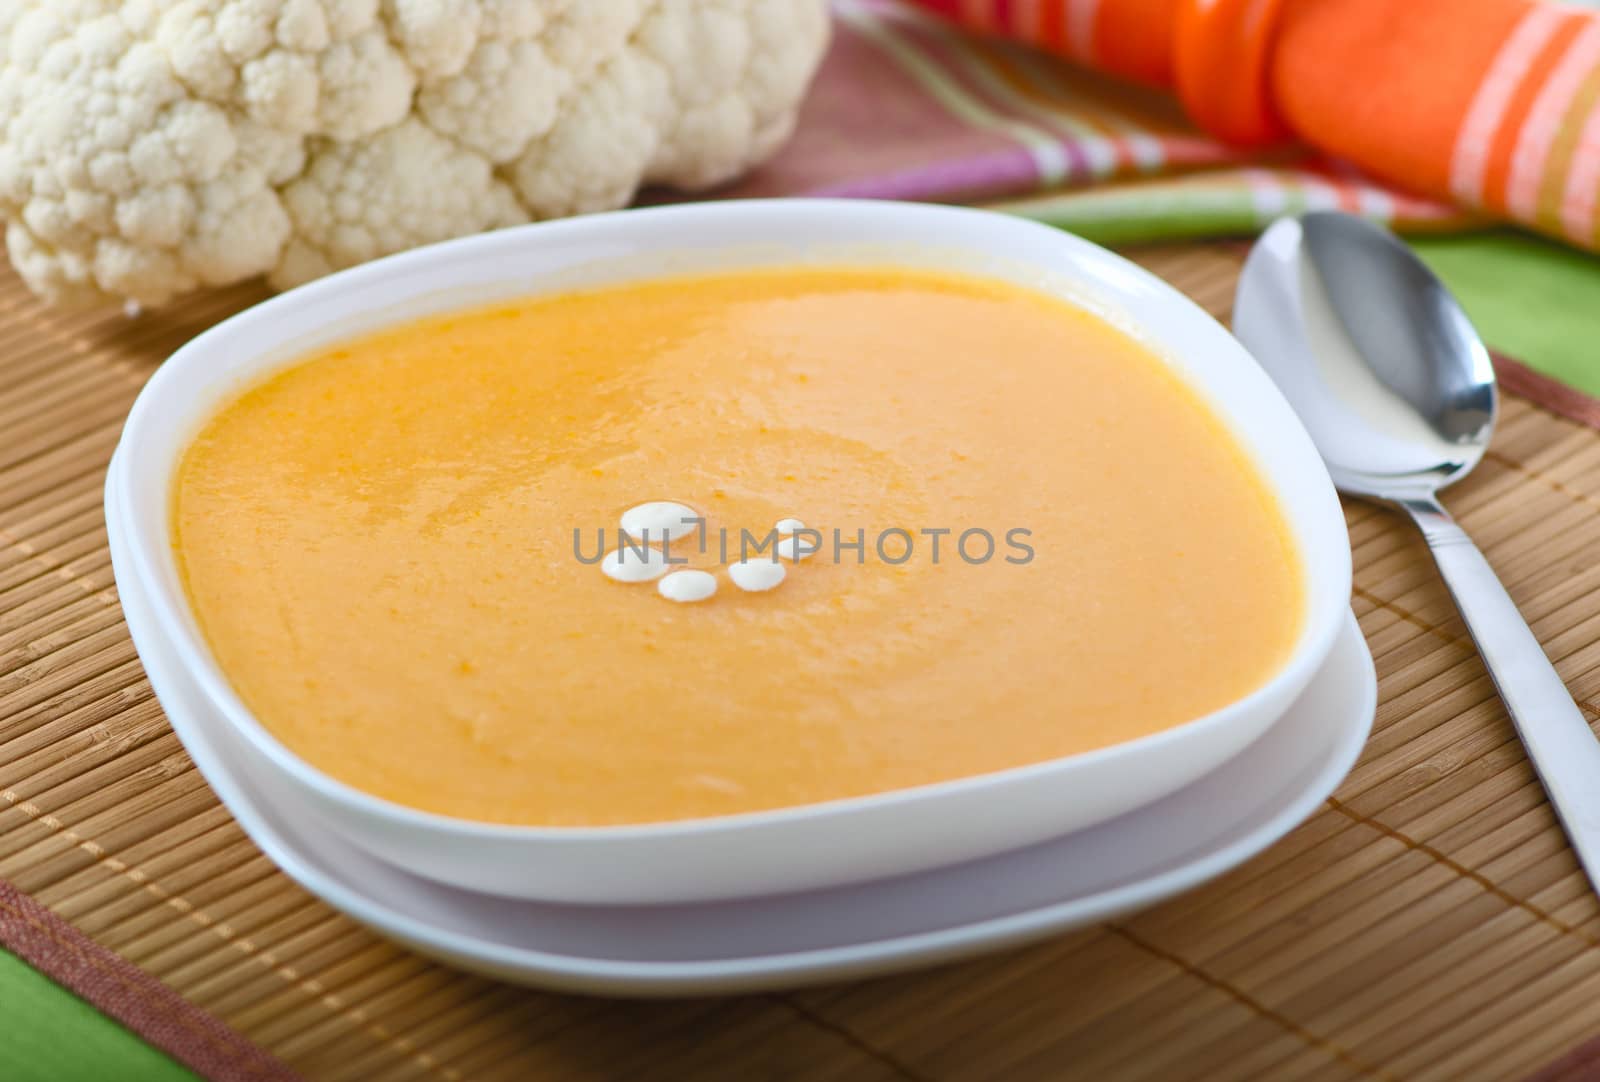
x=152 y=147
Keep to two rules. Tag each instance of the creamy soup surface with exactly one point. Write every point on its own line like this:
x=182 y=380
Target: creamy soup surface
x=379 y=544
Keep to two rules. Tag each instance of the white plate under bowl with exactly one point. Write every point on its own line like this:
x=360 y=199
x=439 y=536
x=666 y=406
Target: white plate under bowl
x=764 y=852
x=854 y=931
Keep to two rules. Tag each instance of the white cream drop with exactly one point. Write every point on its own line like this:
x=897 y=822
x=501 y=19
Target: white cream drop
x=756 y=575
x=688 y=586
x=659 y=520
x=630 y=564
x=791 y=549
x=788 y=526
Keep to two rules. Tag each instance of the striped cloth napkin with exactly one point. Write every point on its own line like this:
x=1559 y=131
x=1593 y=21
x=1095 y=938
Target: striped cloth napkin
x=1493 y=105
x=909 y=105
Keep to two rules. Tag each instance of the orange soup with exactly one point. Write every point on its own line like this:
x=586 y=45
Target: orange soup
x=1024 y=537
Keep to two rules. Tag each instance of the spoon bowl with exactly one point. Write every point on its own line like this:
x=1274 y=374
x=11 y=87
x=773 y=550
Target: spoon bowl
x=1386 y=371
x=1398 y=393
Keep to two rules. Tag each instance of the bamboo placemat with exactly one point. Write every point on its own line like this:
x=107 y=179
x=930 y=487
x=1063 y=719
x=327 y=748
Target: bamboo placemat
x=1428 y=923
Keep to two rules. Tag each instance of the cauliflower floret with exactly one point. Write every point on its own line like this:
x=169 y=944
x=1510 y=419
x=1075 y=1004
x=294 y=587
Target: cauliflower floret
x=436 y=36
x=730 y=113
x=109 y=166
x=405 y=186
x=708 y=89
x=508 y=93
x=608 y=135
x=311 y=67
x=149 y=147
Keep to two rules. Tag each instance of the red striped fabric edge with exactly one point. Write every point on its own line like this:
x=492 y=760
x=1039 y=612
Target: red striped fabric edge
x=1552 y=394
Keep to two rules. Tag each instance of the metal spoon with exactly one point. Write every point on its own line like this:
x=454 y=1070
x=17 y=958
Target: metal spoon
x=1396 y=389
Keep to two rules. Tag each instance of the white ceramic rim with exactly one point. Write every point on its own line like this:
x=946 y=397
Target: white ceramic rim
x=1316 y=639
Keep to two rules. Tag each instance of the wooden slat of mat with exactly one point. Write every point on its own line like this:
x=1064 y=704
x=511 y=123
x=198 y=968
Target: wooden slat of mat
x=1428 y=923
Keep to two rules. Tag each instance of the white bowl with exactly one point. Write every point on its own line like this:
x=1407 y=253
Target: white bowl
x=787 y=849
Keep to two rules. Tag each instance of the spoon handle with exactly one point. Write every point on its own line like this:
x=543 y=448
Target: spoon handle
x=1564 y=750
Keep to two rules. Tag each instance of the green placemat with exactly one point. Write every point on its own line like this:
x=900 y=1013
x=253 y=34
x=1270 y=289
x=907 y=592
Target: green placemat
x=47 y=1034
x=1534 y=300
